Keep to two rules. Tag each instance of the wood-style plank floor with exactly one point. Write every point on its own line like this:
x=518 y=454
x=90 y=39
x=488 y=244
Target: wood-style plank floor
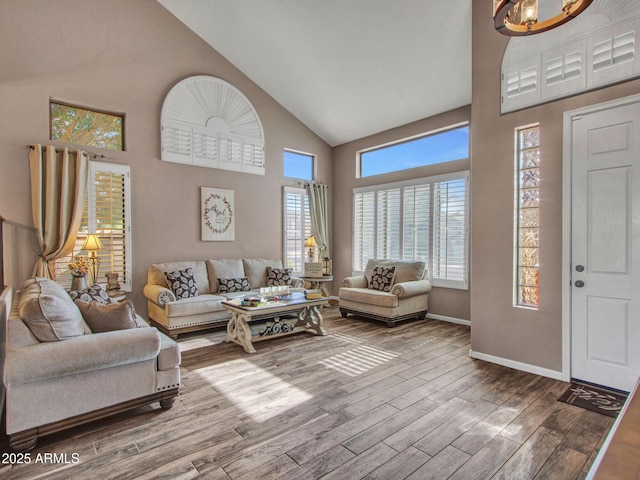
x=363 y=402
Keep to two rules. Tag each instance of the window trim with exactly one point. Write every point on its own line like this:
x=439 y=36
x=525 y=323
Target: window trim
x=431 y=180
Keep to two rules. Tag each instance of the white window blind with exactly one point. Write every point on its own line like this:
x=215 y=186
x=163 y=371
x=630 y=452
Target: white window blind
x=424 y=219
x=108 y=214
x=450 y=231
x=297 y=227
x=389 y=224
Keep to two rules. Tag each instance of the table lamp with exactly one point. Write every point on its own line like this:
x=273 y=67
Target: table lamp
x=310 y=243
x=92 y=244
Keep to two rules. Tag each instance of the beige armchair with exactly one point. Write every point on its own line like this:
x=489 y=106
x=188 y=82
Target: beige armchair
x=63 y=369
x=404 y=296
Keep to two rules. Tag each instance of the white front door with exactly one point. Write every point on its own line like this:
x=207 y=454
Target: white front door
x=605 y=246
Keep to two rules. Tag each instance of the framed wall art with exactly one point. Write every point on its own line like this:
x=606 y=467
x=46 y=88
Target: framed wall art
x=218 y=214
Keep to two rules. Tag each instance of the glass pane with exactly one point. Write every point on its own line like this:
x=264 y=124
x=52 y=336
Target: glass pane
x=529 y=138
x=528 y=237
x=529 y=257
x=428 y=150
x=529 y=198
x=529 y=178
x=298 y=165
x=529 y=276
x=529 y=217
x=86 y=127
x=530 y=158
x=528 y=296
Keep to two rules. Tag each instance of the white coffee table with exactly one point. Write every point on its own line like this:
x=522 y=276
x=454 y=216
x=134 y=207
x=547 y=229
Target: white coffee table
x=271 y=315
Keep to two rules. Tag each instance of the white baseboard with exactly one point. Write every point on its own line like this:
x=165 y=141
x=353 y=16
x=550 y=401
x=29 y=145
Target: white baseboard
x=449 y=319
x=525 y=367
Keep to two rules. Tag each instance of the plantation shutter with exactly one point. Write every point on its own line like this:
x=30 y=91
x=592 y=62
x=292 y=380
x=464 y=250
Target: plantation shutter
x=389 y=224
x=450 y=230
x=564 y=70
x=297 y=227
x=363 y=229
x=108 y=214
x=416 y=223
x=109 y=219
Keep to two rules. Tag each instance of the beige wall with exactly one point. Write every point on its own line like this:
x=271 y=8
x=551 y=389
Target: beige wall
x=442 y=301
x=530 y=336
x=124 y=56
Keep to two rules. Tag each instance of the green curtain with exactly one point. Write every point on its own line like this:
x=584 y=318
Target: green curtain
x=317 y=195
x=58 y=192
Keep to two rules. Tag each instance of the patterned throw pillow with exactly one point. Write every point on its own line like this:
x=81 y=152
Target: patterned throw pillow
x=382 y=278
x=278 y=276
x=229 y=285
x=182 y=283
x=94 y=293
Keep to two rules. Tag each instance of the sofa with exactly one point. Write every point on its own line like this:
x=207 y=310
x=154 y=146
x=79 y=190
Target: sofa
x=388 y=291
x=68 y=363
x=180 y=302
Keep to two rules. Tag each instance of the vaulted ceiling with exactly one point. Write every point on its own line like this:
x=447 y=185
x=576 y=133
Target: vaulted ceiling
x=345 y=68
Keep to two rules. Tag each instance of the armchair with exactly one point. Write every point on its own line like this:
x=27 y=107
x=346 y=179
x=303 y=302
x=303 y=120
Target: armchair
x=406 y=296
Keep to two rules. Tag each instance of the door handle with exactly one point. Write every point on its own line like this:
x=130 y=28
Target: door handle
x=579 y=268
x=579 y=283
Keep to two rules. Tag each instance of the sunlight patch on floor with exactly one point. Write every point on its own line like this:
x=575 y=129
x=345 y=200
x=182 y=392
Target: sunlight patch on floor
x=358 y=361
x=258 y=393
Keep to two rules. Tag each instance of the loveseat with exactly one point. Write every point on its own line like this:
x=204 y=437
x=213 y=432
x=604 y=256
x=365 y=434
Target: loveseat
x=180 y=302
x=389 y=291
x=69 y=362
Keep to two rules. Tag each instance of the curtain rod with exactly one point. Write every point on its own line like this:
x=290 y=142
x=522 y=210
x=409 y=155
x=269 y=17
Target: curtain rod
x=91 y=155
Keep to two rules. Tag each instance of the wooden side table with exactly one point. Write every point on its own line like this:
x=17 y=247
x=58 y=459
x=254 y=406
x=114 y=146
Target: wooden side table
x=117 y=295
x=316 y=282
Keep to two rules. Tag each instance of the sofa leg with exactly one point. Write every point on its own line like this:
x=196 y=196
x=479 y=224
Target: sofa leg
x=167 y=403
x=24 y=441
x=391 y=323
x=343 y=313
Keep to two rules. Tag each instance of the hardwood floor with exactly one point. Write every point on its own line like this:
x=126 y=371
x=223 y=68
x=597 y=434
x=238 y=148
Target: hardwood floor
x=363 y=402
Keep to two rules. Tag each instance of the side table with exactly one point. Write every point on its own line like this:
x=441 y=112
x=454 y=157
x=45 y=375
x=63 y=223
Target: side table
x=316 y=282
x=117 y=295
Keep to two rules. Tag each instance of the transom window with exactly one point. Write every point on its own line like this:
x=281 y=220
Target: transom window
x=85 y=126
x=298 y=165
x=422 y=219
x=432 y=148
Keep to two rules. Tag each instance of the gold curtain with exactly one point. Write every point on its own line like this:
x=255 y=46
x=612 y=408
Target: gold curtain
x=58 y=192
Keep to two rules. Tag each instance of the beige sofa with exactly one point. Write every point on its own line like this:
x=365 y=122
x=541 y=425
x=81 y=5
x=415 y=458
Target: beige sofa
x=58 y=374
x=407 y=296
x=180 y=315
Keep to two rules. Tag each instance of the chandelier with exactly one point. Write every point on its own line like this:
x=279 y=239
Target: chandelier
x=520 y=17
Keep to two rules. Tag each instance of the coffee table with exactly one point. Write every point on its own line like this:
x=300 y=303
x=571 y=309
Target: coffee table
x=270 y=320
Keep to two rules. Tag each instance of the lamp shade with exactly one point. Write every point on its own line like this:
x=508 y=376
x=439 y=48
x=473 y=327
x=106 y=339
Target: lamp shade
x=92 y=243
x=310 y=242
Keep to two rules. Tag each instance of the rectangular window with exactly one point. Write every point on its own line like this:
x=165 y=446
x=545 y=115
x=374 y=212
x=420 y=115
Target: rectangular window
x=298 y=165
x=429 y=149
x=297 y=227
x=85 y=126
x=422 y=219
x=527 y=254
x=108 y=214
